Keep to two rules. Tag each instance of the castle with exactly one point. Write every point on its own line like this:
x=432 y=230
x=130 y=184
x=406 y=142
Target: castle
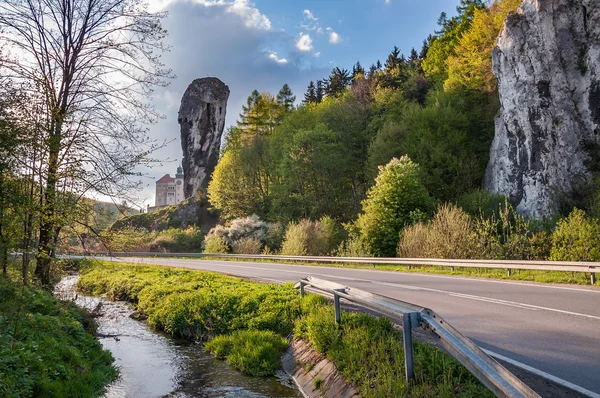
x=169 y=190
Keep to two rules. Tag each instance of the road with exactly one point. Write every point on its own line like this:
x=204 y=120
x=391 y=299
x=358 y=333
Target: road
x=553 y=329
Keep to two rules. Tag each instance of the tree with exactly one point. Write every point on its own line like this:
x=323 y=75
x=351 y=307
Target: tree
x=397 y=193
x=471 y=65
x=92 y=64
x=310 y=97
x=338 y=81
x=442 y=45
x=285 y=98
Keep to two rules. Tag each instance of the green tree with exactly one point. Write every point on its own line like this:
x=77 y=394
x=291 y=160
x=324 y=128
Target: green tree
x=398 y=192
x=471 y=64
x=443 y=43
x=576 y=238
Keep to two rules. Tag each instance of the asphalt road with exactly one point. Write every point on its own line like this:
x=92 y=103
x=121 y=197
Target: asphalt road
x=553 y=329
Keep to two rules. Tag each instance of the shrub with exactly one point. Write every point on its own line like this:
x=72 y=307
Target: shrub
x=128 y=240
x=178 y=240
x=576 y=238
x=247 y=245
x=252 y=228
x=450 y=234
x=257 y=353
x=398 y=191
x=215 y=244
x=307 y=238
x=482 y=204
x=353 y=247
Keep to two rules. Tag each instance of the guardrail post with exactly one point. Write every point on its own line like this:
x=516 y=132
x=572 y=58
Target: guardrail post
x=301 y=289
x=336 y=305
x=508 y=271
x=409 y=319
x=593 y=278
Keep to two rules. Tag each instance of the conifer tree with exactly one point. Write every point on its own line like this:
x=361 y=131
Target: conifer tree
x=310 y=97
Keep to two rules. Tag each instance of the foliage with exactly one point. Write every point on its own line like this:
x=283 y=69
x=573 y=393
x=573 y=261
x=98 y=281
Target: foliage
x=397 y=192
x=471 y=65
x=576 y=238
x=311 y=238
x=247 y=245
x=257 y=353
x=174 y=240
x=449 y=234
x=215 y=244
x=47 y=348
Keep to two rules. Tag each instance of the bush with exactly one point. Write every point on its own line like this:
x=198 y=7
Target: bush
x=129 y=240
x=450 y=234
x=247 y=245
x=47 y=348
x=249 y=231
x=398 y=191
x=257 y=353
x=177 y=240
x=309 y=238
x=482 y=204
x=214 y=244
x=576 y=238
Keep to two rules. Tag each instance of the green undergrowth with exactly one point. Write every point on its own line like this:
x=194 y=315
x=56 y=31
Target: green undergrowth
x=575 y=278
x=255 y=352
x=247 y=323
x=46 y=347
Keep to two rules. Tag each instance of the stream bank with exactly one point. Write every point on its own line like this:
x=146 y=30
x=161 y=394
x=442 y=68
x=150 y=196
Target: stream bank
x=153 y=364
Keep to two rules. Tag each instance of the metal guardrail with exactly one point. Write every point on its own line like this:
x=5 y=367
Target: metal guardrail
x=509 y=265
x=493 y=375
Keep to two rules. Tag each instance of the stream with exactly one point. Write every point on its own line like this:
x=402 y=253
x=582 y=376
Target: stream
x=153 y=364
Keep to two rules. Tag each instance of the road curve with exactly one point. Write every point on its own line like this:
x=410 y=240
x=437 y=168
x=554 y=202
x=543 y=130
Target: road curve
x=554 y=329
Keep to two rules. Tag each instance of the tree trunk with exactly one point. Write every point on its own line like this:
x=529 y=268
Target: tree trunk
x=48 y=214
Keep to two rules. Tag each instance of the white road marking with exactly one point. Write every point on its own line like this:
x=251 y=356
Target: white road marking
x=409 y=287
x=543 y=374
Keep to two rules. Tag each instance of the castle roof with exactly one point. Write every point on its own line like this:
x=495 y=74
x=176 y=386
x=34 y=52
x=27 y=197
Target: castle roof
x=164 y=179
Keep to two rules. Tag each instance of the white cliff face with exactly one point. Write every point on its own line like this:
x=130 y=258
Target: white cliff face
x=202 y=120
x=547 y=62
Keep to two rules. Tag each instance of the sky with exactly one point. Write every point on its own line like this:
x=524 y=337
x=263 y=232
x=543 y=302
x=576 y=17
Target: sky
x=263 y=44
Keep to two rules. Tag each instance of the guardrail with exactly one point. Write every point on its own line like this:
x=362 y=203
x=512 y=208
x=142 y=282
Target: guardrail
x=493 y=375
x=509 y=265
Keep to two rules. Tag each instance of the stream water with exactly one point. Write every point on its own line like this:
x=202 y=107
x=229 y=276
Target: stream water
x=156 y=365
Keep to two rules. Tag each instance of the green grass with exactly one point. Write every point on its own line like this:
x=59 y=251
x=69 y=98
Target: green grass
x=46 y=348
x=256 y=353
x=576 y=278
x=249 y=321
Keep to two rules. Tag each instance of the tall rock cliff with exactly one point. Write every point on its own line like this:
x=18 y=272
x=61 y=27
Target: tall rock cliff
x=547 y=62
x=202 y=120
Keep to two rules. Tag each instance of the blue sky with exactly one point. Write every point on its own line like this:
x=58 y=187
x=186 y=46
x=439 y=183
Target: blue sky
x=263 y=44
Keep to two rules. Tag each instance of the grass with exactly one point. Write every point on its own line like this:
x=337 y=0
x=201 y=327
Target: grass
x=575 y=278
x=47 y=348
x=256 y=353
x=247 y=323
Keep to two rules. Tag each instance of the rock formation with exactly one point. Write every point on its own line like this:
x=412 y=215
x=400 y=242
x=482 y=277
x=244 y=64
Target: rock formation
x=547 y=62
x=202 y=120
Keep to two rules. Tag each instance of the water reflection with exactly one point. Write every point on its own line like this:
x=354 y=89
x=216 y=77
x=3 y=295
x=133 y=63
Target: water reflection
x=156 y=365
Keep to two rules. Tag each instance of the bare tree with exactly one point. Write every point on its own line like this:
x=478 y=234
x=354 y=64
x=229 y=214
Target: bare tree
x=93 y=64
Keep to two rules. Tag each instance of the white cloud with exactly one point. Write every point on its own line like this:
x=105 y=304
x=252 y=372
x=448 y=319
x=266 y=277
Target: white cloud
x=320 y=31
x=388 y=1
x=309 y=15
x=250 y=14
x=317 y=54
x=304 y=42
x=334 y=38
x=272 y=55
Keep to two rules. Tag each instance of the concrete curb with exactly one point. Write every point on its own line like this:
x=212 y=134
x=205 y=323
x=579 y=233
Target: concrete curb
x=306 y=367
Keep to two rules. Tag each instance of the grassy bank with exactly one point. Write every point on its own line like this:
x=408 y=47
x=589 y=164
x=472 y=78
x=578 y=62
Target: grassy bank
x=46 y=347
x=248 y=321
x=575 y=278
